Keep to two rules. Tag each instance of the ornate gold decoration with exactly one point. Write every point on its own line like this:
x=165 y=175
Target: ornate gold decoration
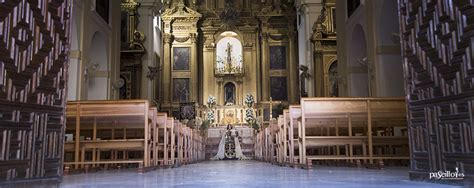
x=193 y=37
x=230 y=15
x=180 y=12
x=181 y=40
x=168 y=38
x=277 y=37
x=129 y=5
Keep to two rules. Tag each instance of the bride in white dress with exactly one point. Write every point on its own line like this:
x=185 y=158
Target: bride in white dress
x=221 y=149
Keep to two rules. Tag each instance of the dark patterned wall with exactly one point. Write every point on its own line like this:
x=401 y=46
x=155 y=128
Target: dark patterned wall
x=437 y=44
x=33 y=54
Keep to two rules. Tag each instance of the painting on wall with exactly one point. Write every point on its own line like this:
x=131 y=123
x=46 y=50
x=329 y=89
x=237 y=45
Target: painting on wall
x=278 y=88
x=277 y=57
x=181 y=90
x=181 y=58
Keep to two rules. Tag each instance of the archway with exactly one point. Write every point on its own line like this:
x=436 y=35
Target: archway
x=358 y=63
x=97 y=68
x=229 y=54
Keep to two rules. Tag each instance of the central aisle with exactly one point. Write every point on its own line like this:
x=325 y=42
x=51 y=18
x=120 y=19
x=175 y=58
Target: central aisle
x=246 y=174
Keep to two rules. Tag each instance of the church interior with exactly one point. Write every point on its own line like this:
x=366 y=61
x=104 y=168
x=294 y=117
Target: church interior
x=236 y=93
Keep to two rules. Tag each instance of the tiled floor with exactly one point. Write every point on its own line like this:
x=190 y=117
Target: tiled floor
x=247 y=174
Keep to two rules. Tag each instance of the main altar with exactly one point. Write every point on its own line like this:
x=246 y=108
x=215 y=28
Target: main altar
x=227 y=50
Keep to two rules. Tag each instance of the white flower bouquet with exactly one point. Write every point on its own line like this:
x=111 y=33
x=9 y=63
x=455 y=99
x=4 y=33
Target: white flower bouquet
x=211 y=101
x=249 y=117
x=249 y=100
x=210 y=116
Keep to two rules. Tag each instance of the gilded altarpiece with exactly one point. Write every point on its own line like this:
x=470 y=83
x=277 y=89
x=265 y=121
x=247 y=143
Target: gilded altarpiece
x=131 y=52
x=180 y=57
x=229 y=56
x=326 y=78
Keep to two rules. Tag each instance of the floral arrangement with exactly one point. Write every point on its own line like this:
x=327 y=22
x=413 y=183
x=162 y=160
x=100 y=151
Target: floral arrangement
x=211 y=101
x=210 y=116
x=249 y=100
x=249 y=115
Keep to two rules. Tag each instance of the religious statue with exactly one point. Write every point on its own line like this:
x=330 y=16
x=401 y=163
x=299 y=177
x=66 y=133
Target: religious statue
x=304 y=75
x=229 y=93
x=229 y=146
x=229 y=54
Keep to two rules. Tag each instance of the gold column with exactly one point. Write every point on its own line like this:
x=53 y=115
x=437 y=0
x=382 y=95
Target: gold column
x=293 y=74
x=167 y=38
x=194 y=68
x=318 y=69
x=239 y=92
x=265 y=68
x=208 y=59
x=220 y=94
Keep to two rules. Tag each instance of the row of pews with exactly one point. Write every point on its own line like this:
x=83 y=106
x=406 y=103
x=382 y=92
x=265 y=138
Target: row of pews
x=126 y=134
x=369 y=132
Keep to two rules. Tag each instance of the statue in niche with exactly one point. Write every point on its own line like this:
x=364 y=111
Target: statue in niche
x=229 y=56
x=229 y=93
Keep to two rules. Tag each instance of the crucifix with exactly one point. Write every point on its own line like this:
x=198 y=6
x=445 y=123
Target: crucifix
x=271 y=102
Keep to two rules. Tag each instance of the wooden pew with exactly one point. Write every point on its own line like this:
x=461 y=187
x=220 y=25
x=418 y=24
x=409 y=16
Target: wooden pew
x=95 y=126
x=162 y=140
x=259 y=143
x=330 y=125
x=127 y=132
x=171 y=141
x=294 y=132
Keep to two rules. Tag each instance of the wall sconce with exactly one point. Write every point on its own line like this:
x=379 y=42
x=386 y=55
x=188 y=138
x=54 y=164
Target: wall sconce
x=87 y=69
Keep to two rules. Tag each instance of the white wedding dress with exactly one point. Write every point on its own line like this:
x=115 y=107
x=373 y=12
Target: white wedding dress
x=221 y=149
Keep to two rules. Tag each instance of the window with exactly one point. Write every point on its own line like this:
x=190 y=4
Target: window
x=102 y=8
x=352 y=6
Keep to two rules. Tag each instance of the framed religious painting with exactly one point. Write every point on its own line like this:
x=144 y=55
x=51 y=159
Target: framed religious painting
x=187 y=110
x=181 y=90
x=181 y=58
x=277 y=57
x=278 y=88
